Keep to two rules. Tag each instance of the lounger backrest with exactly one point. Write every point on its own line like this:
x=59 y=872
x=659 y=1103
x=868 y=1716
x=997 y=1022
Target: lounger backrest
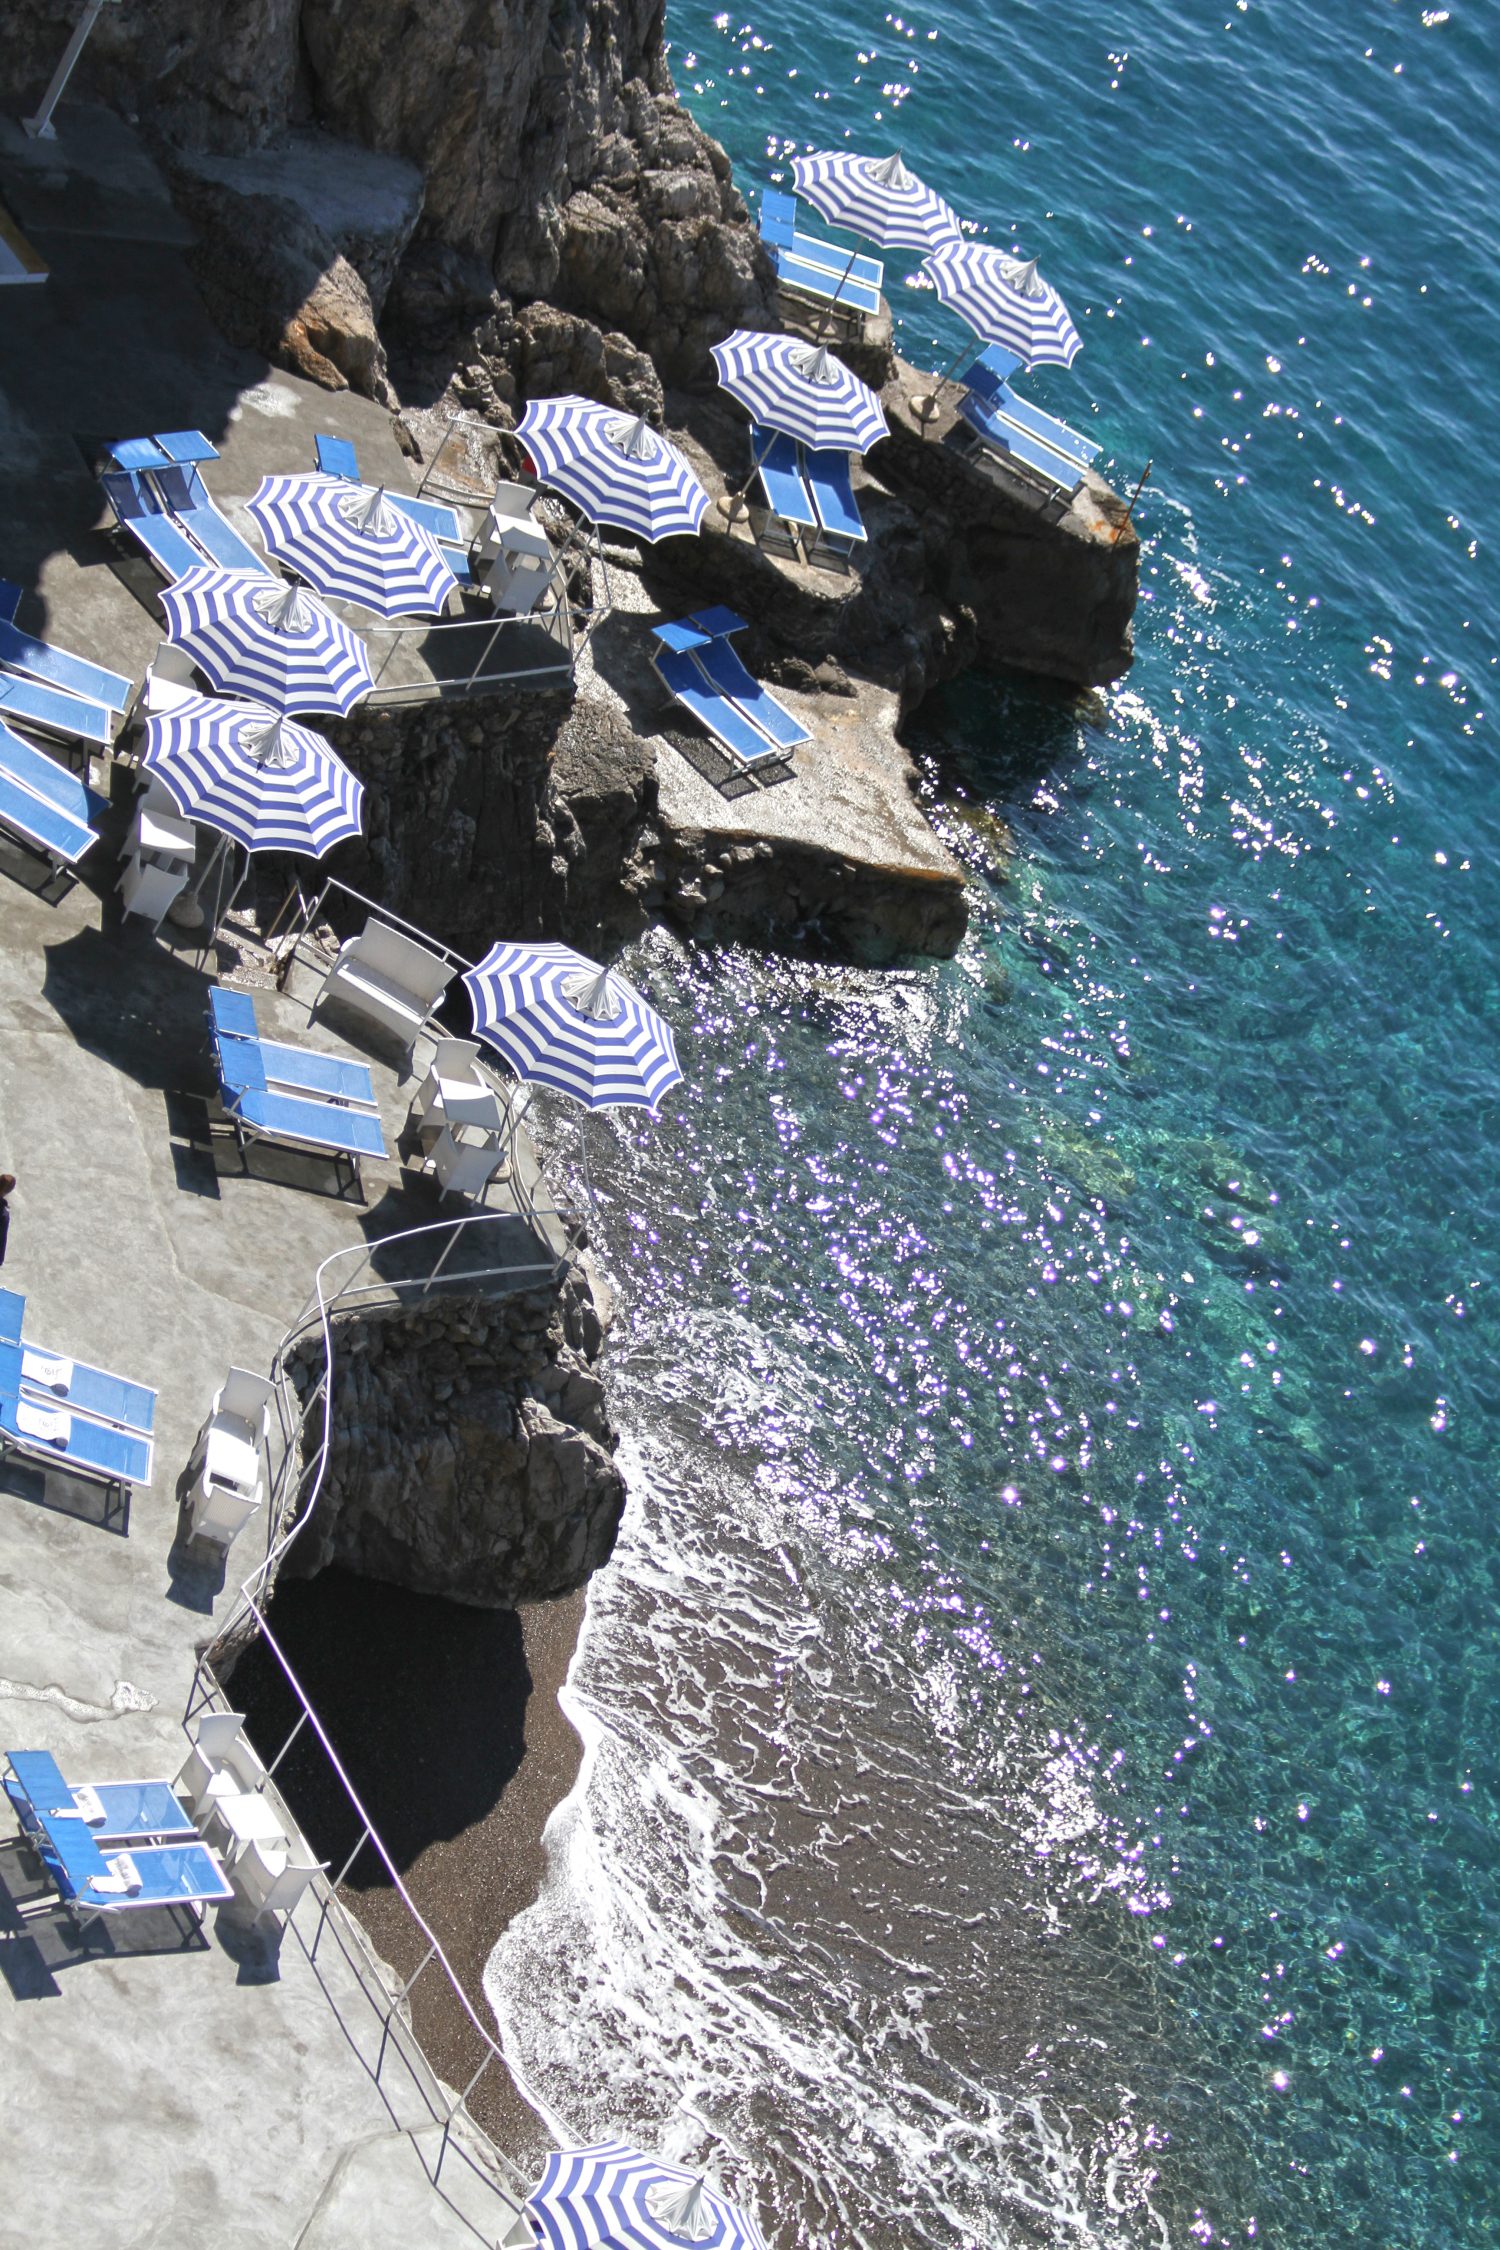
x=46 y=778
x=127 y=495
x=455 y=1058
x=337 y=458
x=401 y=959
x=778 y=217
x=12 y=1313
x=245 y=1395
x=233 y=1013
x=176 y=486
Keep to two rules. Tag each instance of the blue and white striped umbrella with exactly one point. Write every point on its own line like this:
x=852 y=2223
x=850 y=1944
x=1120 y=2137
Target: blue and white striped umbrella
x=257 y=636
x=266 y=783
x=801 y=389
x=1006 y=301
x=349 y=542
x=611 y=2197
x=613 y=466
x=562 y=1021
x=876 y=197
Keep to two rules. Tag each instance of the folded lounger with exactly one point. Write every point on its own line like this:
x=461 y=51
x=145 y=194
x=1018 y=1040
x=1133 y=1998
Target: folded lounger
x=58 y=667
x=55 y=1434
x=816 y=269
x=113 y=1812
x=989 y=380
x=829 y=482
x=138 y=510
x=42 y=804
x=674 y=665
x=725 y=671
x=55 y=711
x=781 y=480
x=1012 y=443
x=337 y=458
x=258 y=1112
x=295 y=1069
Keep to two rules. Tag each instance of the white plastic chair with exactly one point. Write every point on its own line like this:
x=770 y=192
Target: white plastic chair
x=456 y=1060
x=229 y=1456
x=217 y=1734
x=273 y=1881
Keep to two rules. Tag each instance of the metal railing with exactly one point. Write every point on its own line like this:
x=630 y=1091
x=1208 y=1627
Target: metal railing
x=297 y=1484
x=345 y=1281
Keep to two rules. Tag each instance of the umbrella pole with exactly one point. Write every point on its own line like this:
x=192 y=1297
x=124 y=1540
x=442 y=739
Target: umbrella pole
x=838 y=291
x=926 y=407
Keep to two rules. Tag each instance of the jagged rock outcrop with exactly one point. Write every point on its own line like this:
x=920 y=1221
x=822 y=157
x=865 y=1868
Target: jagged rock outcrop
x=471 y=1452
x=526 y=816
x=274 y=282
x=554 y=154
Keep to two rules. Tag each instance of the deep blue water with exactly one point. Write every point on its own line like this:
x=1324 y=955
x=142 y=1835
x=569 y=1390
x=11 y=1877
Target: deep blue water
x=1044 y=1712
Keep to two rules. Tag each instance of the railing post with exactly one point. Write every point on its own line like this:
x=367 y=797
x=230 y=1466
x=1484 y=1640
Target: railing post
x=364 y=1838
x=291 y=1738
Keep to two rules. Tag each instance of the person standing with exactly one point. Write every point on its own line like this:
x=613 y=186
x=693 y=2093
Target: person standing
x=7 y=1190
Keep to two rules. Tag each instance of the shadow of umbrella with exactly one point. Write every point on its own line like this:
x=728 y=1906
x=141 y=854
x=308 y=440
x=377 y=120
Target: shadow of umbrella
x=141 y=1011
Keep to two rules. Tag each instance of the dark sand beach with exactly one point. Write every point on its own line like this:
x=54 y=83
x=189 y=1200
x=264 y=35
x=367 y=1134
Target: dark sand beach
x=459 y=1759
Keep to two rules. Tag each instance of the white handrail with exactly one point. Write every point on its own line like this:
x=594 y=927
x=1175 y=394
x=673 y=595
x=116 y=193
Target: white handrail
x=318 y=1311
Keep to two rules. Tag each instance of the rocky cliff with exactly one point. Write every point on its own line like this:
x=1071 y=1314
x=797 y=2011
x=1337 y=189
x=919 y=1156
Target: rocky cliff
x=471 y=1451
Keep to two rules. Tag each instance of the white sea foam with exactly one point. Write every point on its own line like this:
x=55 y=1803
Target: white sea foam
x=766 y=1941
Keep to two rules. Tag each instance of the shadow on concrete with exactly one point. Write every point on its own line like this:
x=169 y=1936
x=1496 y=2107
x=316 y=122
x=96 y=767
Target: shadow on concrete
x=64 y=1494
x=424 y=1702
x=36 y=1949
x=139 y=1008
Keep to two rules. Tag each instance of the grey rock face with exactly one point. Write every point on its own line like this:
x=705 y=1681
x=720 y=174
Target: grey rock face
x=519 y=816
x=274 y=282
x=471 y=1453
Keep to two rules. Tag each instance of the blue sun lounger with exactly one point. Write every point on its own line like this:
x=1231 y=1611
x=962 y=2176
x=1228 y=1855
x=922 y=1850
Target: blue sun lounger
x=57 y=667
x=832 y=490
x=781 y=480
x=185 y=497
x=53 y=711
x=989 y=380
x=179 y=1876
x=259 y=1112
x=302 y=1070
x=678 y=664
x=55 y=1435
x=113 y=1812
x=51 y=1378
x=811 y=268
x=139 y=511
x=43 y=805
x=724 y=670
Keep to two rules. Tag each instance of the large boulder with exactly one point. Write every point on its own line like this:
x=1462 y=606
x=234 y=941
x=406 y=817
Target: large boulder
x=274 y=282
x=471 y=1455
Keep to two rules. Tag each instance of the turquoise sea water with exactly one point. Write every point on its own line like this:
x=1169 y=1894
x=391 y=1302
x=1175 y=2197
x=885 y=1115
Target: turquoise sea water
x=1043 y=1717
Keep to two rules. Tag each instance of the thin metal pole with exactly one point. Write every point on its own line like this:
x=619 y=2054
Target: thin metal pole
x=41 y=127
x=1124 y=520
x=291 y=1738
x=364 y=1838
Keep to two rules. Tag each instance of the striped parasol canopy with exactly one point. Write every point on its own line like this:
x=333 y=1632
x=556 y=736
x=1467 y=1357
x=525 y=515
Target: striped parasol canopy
x=876 y=197
x=562 y=1021
x=1006 y=301
x=800 y=389
x=613 y=466
x=256 y=636
x=267 y=783
x=611 y=2197
x=349 y=542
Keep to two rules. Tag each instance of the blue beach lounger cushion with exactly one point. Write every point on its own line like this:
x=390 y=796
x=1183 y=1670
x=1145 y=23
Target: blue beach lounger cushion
x=55 y=711
x=59 y=668
x=832 y=489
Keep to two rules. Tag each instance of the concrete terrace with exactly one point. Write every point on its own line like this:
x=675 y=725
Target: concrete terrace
x=223 y=2092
